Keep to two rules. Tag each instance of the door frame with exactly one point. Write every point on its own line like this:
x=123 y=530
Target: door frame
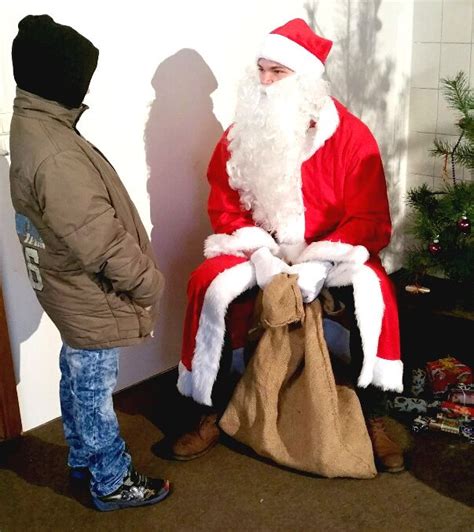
x=10 y=420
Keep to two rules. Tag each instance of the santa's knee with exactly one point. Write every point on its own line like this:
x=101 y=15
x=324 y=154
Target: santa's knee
x=208 y=270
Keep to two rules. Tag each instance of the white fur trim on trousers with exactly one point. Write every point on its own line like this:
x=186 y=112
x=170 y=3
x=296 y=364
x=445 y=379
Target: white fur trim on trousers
x=369 y=310
x=210 y=336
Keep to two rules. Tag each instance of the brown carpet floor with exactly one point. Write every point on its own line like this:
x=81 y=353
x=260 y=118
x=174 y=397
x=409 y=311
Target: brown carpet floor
x=230 y=489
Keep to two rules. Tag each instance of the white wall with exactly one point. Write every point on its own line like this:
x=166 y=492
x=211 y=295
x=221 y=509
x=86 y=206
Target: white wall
x=443 y=44
x=369 y=69
x=162 y=94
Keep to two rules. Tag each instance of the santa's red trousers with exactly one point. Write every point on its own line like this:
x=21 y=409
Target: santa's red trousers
x=239 y=315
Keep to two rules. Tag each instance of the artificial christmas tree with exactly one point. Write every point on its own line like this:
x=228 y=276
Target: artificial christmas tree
x=441 y=219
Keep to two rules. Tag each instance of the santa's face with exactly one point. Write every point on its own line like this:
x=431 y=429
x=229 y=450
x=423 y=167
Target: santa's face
x=270 y=71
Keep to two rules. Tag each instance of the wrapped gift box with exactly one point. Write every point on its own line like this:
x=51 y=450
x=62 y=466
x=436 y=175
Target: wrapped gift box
x=447 y=371
x=462 y=394
x=457 y=410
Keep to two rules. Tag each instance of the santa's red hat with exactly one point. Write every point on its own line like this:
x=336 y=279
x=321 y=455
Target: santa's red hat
x=296 y=46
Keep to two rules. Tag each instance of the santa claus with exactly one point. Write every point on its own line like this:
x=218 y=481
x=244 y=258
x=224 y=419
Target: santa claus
x=296 y=185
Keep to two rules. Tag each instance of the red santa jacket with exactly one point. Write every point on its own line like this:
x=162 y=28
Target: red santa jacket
x=346 y=221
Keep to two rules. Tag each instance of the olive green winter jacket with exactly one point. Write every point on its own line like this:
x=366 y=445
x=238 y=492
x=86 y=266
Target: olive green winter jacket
x=87 y=253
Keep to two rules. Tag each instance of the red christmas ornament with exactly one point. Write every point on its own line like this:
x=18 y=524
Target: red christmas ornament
x=434 y=247
x=464 y=225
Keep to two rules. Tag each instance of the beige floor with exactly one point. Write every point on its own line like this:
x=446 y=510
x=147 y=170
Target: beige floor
x=230 y=490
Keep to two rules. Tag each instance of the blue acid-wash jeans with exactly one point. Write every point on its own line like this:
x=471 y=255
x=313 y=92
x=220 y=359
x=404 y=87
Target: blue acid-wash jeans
x=88 y=378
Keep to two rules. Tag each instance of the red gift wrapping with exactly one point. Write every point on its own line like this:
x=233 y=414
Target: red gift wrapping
x=457 y=410
x=446 y=371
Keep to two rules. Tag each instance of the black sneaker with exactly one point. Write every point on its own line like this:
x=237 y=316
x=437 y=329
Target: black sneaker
x=136 y=490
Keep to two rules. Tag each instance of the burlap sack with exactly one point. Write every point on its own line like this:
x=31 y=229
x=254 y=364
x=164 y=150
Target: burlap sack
x=287 y=406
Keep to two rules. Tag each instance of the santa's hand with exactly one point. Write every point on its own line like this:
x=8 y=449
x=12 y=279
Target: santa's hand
x=267 y=266
x=311 y=277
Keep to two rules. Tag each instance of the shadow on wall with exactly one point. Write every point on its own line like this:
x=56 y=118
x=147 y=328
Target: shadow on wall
x=20 y=298
x=180 y=134
x=362 y=81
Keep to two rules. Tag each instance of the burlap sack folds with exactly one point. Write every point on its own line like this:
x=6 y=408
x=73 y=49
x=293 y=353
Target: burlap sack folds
x=287 y=405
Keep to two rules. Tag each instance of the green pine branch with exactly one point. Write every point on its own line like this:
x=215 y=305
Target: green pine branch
x=442 y=147
x=458 y=94
x=436 y=214
x=466 y=124
x=464 y=155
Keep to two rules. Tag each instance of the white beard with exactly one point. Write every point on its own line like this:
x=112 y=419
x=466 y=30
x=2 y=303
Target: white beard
x=269 y=141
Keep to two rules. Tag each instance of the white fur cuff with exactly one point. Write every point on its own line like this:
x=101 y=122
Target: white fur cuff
x=241 y=242
x=335 y=252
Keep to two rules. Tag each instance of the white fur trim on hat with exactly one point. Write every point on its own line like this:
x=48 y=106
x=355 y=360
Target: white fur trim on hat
x=290 y=54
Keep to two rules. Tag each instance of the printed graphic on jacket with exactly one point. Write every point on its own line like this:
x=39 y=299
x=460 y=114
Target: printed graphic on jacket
x=31 y=240
x=27 y=232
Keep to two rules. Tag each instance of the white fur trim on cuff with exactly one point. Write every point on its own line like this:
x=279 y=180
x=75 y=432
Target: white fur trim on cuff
x=210 y=336
x=387 y=375
x=239 y=243
x=335 y=252
x=290 y=54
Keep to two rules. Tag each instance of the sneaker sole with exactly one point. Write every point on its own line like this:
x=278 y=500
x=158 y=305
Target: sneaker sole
x=122 y=505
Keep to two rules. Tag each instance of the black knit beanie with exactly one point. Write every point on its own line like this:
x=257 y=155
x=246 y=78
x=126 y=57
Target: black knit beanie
x=53 y=61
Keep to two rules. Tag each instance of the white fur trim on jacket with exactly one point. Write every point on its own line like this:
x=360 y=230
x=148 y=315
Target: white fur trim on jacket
x=240 y=243
x=326 y=125
x=369 y=310
x=334 y=252
x=388 y=375
x=185 y=380
x=210 y=336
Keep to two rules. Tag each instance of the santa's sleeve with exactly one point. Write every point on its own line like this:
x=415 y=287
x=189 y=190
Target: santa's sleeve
x=235 y=232
x=365 y=227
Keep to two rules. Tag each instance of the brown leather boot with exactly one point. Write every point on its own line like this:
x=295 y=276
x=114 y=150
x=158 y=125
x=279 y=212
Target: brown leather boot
x=198 y=442
x=388 y=454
